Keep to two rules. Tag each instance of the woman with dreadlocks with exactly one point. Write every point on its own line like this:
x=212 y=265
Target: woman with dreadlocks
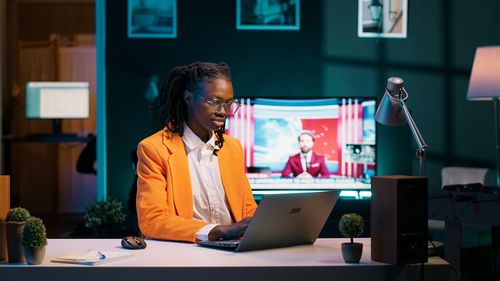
x=191 y=180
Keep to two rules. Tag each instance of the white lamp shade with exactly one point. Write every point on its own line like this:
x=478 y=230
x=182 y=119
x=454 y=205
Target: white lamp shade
x=484 y=81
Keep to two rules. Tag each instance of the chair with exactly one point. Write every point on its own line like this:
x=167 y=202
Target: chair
x=473 y=235
x=465 y=175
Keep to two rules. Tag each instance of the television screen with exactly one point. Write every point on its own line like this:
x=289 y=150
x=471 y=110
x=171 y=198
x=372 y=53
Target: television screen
x=336 y=136
x=57 y=100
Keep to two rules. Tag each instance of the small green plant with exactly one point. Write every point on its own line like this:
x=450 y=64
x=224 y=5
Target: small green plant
x=34 y=234
x=104 y=217
x=18 y=214
x=351 y=225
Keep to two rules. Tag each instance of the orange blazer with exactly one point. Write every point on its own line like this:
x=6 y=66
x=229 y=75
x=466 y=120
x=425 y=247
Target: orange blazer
x=164 y=198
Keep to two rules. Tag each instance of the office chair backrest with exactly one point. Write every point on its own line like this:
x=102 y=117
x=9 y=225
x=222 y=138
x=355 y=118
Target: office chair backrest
x=465 y=175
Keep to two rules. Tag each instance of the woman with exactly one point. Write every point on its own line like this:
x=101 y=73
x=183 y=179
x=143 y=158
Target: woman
x=191 y=178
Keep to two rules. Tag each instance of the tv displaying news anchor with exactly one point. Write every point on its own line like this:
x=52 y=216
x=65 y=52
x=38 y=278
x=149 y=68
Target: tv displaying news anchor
x=306 y=163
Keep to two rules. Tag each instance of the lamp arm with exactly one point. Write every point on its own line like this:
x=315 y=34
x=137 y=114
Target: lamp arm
x=413 y=127
x=422 y=146
x=496 y=104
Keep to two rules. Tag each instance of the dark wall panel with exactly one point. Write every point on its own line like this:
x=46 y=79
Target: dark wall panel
x=472 y=24
x=324 y=58
x=425 y=41
x=263 y=63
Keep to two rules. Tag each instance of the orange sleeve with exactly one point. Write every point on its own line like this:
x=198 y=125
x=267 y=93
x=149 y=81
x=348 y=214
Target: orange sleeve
x=155 y=208
x=249 y=202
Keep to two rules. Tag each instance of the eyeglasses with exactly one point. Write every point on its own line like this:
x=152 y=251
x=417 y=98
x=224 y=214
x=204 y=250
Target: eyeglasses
x=217 y=104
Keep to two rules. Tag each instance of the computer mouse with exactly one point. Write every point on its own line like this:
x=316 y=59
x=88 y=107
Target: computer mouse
x=133 y=243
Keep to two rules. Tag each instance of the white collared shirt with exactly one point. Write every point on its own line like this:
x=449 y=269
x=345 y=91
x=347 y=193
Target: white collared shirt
x=209 y=198
x=303 y=160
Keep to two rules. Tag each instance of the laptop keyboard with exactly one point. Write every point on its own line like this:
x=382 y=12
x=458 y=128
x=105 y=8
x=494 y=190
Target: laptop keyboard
x=227 y=243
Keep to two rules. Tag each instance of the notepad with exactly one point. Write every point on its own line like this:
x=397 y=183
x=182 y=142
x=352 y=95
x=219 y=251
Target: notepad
x=92 y=257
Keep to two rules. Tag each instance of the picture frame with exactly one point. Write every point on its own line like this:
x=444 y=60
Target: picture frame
x=382 y=18
x=152 y=18
x=268 y=15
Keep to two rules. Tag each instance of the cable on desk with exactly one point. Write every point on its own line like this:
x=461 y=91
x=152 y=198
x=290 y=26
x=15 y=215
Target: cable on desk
x=456 y=272
x=414 y=247
x=422 y=269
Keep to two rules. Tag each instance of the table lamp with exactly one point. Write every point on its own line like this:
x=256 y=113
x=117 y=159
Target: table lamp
x=484 y=84
x=392 y=111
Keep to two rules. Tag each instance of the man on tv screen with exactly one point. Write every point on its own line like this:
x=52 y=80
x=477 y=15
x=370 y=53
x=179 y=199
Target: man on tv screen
x=306 y=163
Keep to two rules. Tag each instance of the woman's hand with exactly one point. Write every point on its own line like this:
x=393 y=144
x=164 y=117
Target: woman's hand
x=228 y=232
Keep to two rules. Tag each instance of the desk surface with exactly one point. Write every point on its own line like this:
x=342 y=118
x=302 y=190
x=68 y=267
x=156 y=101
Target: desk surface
x=188 y=261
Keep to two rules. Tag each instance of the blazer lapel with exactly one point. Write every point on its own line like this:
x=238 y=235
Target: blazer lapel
x=230 y=182
x=313 y=159
x=179 y=171
x=298 y=162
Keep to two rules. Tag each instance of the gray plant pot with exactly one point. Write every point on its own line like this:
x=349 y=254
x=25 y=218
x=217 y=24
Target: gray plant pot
x=14 y=232
x=34 y=255
x=351 y=252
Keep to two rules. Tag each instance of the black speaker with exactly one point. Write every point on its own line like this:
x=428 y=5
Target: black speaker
x=399 y=219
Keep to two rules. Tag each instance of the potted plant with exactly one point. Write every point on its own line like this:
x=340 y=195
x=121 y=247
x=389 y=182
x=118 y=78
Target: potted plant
x=15 y=221
x=105 y=218
x=34 y=240
x=351 y=225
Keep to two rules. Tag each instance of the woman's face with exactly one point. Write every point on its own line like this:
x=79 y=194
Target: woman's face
x=203 y=117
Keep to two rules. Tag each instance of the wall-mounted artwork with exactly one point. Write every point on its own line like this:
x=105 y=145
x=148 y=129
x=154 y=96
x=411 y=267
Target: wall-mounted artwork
x=268 y=14
x=382 y=18
x=152 y=18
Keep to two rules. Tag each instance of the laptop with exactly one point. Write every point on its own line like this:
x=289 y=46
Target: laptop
x=283 y=220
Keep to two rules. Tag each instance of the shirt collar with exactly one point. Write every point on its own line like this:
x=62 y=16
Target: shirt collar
x=192 y=140
x=308 y=155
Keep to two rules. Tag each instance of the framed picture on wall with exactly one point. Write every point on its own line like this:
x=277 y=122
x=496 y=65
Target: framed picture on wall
x=382 y=18
x=268 y=14
x=152 y=18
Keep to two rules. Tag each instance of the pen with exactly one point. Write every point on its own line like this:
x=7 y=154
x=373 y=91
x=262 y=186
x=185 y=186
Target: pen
x=101 y=255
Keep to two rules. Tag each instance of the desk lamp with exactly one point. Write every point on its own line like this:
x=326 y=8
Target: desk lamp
x=484 y=84
x=392 y=111
x=399 y=203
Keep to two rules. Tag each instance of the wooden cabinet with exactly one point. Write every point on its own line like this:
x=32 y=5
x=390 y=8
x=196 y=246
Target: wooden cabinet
x=44 y=176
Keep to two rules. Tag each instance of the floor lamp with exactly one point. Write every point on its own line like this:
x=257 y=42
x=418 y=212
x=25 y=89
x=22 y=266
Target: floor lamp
x=392 y=111
x=484 y=84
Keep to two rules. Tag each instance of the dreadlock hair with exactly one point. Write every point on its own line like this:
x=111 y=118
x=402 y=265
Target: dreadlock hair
x=188 y=78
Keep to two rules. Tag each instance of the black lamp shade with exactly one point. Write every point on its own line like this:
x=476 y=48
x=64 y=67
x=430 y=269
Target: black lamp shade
x=389 y=111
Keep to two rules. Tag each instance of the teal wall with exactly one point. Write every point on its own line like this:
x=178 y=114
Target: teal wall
x=435 y=61
x=326 y=59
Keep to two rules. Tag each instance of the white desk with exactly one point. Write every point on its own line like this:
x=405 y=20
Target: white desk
x=184 y=261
